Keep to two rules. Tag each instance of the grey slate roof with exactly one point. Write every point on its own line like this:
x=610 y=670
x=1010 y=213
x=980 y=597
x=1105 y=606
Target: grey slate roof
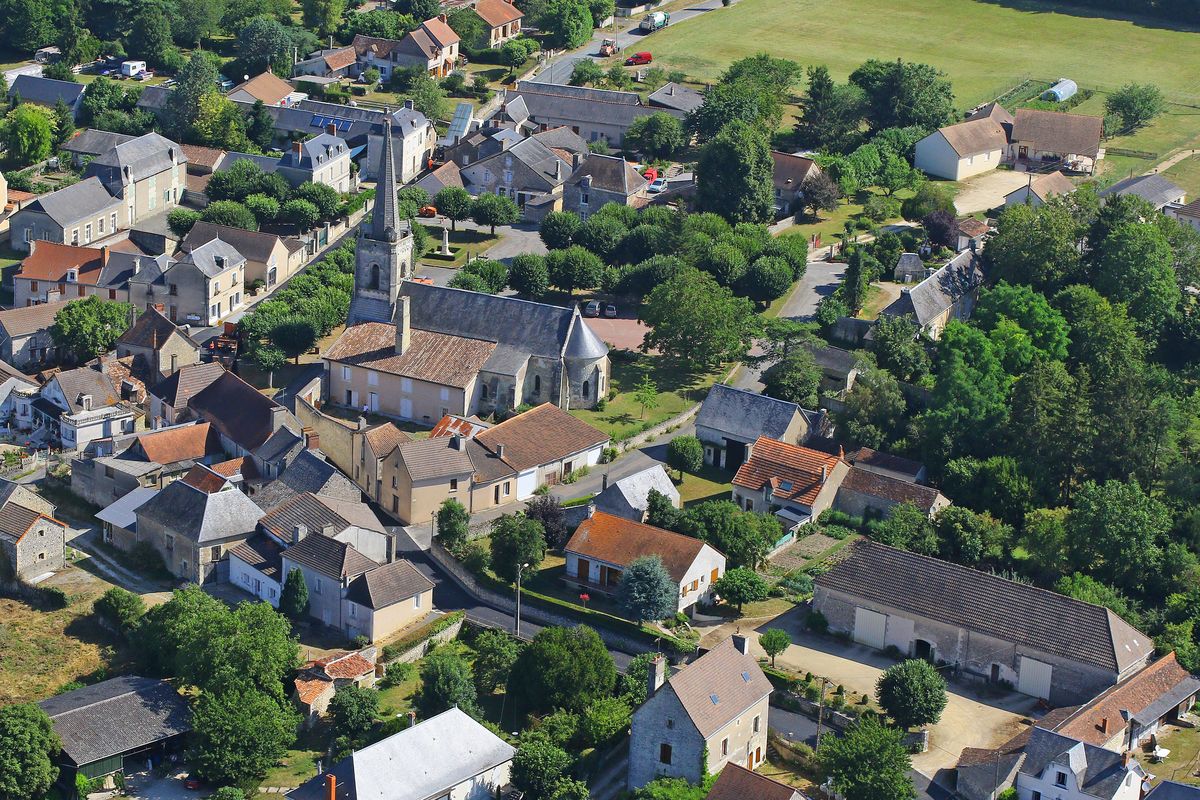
x=986 y=603
x=329 y=557
x=206 y=256
x=116 y=716
x=75 y=383
x=94 y=142
x=680 y=98
x=389 y=584
x=635 y=490
x=929 y=298
x=46 y=91
x=1172 y=790
x=562 y=138
x=154 y=98
x=1098 y=772
x=314 y=152
x=308 y=472
x=265 y=163
x=744 y=414
x=260 y=552
x=547 y=102
x=610 y=173
x=437 y=755
x=719 y=686
x=201 y=517
x=144 y=156
x=254 y=245
x=534 y=328
x=1155 y=189
x=548 y=170
x=88 y=198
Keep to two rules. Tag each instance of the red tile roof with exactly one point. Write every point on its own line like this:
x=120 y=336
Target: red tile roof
x=204 y=479
x=541 y=435
x=50 y=261
x=795 y=473
x=498 y=12
x=384 y=438
x=433 y=357
x=345 y=665
x=309 y=688
x=170 y=445
x=620 y=541
x=738 y=783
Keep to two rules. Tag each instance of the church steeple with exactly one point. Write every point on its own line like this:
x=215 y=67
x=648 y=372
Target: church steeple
x=383 y=252
x=385 y=218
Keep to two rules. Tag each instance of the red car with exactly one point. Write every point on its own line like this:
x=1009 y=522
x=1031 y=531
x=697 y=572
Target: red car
x=637 y=59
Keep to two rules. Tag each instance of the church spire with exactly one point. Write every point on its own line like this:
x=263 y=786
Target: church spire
x=385 y=220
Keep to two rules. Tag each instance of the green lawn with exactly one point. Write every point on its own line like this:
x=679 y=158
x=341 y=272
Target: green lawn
x=10 y=260
x=678 y=390
x=1186 y=174
x=1178 y=128
x=462 y=244
x=1007 y=42
x=711 y=483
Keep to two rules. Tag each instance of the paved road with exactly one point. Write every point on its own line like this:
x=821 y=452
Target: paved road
x=631 y=39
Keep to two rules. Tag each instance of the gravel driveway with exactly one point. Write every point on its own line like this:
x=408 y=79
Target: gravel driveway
x=988 y=190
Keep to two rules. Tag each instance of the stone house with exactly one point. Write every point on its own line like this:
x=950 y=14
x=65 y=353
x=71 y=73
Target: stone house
x=731 y=420
x=167 y=399
x=604 y=545
x=717 y=705
x=323 y=159
x=459 y=759
x=871 y=495
x=594 y=114
x=433 y=46
x=157 y=346
x=110 y=468
x=527 y=171
x=194 y=522
x=413 y=139
x=972 y=233
x=1045 y=644
x=494 y=467
x=53 y=272
x=904 y=469
x=76 y=215
x=629 y=497
x=200 y=286
x=452 y=351
x=502 y=18
x=1058 y=766
x=337 y=62
x=598 y=180
x=788 y=174
x=320 y=679
x=25 y=340
x=31 y=539
x=949 y=293
x=267 y=87
x=147 y=174
x=270 y=258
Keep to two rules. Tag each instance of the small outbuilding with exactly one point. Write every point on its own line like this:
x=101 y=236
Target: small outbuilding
x=1064 y=89
x=119 y=725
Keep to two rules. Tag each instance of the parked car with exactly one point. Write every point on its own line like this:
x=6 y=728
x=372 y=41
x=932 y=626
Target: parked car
x=427 y=211
x=610 y=311
x=592 y=309
x=637 y=59
x=657 y=185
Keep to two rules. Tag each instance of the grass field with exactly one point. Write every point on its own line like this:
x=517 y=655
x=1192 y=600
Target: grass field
x=985 y=47
x=1186 y=175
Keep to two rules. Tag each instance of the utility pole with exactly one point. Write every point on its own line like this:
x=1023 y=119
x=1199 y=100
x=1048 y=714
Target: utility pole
x=821 y=712
x=517 y=620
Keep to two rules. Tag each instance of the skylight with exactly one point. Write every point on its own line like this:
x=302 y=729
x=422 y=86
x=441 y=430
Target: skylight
x=714 y=699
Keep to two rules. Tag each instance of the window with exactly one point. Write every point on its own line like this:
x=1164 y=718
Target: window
x=87 y=233
x=406 y=384
x=583 y=198
x=112 y=294
x=664 y=753
x=454 y=484
x=152 y=193
x=537 y=384
x=507 y=488
x=725 y=746
x=393 y=481
x=216 y=287
x=1060 y=779
x=345 y=373
x=75 y=236
x=1036 y=796
x=756 y=724
x=372 y=378
x=33 y=286
x=417 y=600
x=271 y=593
x=112 y=220
x=444 y=394
x=353 y=610
x=214 y=554
x=670 y=724
x=483 y=392
x=395 y=504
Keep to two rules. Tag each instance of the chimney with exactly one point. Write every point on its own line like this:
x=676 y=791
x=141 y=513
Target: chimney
x=400 y=318
x=408 y=104
x=1104 y=725
x=298 y=533
x=174 y=363
x=327 y=530
x=824 y=473
x=1126 y=758
x=604 y=482
x=159 y=307
x=656 y=675
x=741 y=644
x=330 y=787
x=278 y=415
x=456 y=442
x=389 y=550
x=558 y=169
x=362 y=423
x=331 y=129
x=312 y=439
x=576 y=160
x=500 y=450
x=591 y=510
x=296 y=148
x=670 y=89
x=442 y=17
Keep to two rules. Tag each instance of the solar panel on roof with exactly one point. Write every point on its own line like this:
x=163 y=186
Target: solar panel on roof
x=343 y=125
x=317 y=122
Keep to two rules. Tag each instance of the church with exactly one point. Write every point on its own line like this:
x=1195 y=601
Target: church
x=418 y=352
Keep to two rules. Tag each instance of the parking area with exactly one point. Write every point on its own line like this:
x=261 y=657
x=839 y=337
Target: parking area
x=624 y=332
x=147 y=786
x=988 y=190
x=972 y=718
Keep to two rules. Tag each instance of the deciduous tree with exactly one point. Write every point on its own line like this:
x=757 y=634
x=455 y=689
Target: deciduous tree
x=774 y=641
x=515 y=540
x=563 y=668
x=239 y=733
x=453 y=524
x=495 y=654
x=868 y=762
x=492 y=210
x=454 y=203
x=88 y=327
x=734 y=175
x=29 y=750
x=741 y=585
x=912 y=693
x=694 y=319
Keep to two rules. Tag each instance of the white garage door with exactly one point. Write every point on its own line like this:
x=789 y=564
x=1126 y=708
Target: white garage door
x=1034 y=678
x=869 y=628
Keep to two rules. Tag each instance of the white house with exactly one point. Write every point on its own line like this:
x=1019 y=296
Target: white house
x=604 y=545
x=448 y=757
x=1059 y=767
x=968 y=148
x=83 y=404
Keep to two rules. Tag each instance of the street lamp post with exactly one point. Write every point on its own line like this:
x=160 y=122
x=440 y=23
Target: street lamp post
x=517 y=626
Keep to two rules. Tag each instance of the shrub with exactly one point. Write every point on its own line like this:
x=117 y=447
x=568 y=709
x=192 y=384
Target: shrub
x=397 y=673
x=121 y=608
x=476 y=558
x=421 y=634
x=53 y=597
x=817 y=622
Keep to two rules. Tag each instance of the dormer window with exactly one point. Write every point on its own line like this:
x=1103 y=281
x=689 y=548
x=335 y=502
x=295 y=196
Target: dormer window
x=1060 y=779
x=72 y=275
